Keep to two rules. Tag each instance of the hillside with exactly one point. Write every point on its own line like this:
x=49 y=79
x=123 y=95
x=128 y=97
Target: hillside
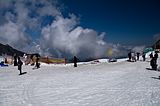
x=7 y=49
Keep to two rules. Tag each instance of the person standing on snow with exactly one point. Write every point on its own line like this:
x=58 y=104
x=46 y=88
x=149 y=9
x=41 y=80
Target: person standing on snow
x=20 y=63
x=75 y=61
x=129 y=56
x=37 y=63
x=153 y=63
x=144 y=56
x=138 y=55
x=151 y=55
x=15 y=60
x=133 y=56
x=156 y=55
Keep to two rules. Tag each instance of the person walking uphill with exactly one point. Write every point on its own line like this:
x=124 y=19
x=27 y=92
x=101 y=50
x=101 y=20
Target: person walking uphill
x=20 y=63
x=75 y=61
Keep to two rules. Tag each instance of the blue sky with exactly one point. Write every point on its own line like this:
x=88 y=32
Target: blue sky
x=132 y=22
x=87 y=28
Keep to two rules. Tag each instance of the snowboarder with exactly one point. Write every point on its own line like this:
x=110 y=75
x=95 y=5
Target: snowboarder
x=75 y=61
x=153 y=63
x=151 y=55
x=129 y=56
x=138 y=55
x=20 y=63
x=144 y=56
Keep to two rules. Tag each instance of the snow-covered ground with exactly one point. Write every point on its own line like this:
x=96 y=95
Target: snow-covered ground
x=102 y=84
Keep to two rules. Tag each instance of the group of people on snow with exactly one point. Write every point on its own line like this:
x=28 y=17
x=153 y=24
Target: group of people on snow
x=17 y=62
x=133 y=57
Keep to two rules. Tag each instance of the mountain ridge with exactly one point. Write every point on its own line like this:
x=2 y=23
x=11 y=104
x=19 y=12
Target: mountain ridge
x=7 y=49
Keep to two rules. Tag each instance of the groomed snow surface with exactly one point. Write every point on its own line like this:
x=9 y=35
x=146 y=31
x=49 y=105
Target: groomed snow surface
x=91 y=84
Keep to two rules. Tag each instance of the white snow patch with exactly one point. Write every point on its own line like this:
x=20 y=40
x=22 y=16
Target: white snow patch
x=120 y=84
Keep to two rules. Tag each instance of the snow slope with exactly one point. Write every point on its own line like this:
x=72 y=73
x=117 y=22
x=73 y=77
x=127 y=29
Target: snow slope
x=102 y=84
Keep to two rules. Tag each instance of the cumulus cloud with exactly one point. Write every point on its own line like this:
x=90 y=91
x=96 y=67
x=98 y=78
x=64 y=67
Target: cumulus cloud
x=62 y=37
x=16 y=21
x=12 y=34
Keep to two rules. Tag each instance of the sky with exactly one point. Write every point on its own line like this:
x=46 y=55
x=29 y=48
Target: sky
x=133 y=22
x=64 y=28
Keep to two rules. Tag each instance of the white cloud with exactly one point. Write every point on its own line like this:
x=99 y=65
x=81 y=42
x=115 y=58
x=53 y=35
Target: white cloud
x=63 y=38
x=12 y=34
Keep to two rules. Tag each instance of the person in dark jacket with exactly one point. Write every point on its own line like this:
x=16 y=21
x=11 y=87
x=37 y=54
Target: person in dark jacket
x=37 y=62
x=138 y=55
x=156 y=55
x=20 y=63
x=75 y=61
x=144 y=56
x=151 y=55
x=129 y=56
x=15 y=60
x=153 y=63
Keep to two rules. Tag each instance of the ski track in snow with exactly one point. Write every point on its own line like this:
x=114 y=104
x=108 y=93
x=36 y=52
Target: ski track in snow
x=102 y=84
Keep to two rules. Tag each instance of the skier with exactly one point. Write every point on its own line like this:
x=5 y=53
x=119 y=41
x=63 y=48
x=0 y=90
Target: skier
x=153 y=63
x=75 y=61
x=20 y=63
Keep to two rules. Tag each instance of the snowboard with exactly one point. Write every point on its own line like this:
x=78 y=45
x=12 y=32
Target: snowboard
x=23 y=73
